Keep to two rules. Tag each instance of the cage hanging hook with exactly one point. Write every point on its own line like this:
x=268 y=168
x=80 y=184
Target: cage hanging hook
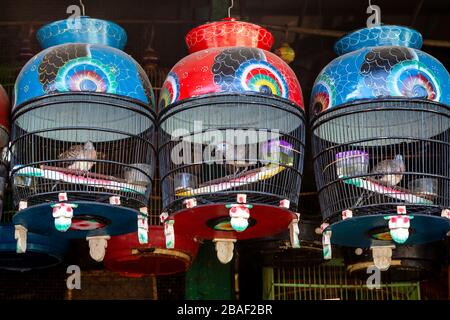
x=374 y=19
x=229 y=8
x=82 y=8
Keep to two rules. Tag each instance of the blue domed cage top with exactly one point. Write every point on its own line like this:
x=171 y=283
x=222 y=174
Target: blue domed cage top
x=381 y=138
x=83 y=119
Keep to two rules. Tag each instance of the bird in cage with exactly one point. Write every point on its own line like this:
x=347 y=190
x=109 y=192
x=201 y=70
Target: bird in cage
x=84 y=151
x=235 y=156
x=389 y=173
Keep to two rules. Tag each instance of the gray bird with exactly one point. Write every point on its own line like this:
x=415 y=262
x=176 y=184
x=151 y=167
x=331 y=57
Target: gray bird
x=80 y=152
x=389 y=173
x=235 y=156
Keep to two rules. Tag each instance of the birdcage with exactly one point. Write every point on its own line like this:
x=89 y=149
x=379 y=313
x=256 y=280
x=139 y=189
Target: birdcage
x=408 y=263
x=126 y=254
x=231 y=137
x=83 y=129
x=329 y=282
x=130 y=258
x=43 y=251
x=380 y=133
x=277 y=250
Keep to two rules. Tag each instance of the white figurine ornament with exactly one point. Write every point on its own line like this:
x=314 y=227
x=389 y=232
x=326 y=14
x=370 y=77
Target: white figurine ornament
x=445 y=213
x=239 y=213
x=347 y=214
x=326 y=241
x=294 y=232
x=63 y=214
x=97 y=247
x=169 y=233
x=399 y=227
x=143 y=229
x=20 y=234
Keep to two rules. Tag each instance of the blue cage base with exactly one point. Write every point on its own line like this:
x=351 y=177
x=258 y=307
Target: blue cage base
x=366 y=231
x=42 y=251
x=93 y=219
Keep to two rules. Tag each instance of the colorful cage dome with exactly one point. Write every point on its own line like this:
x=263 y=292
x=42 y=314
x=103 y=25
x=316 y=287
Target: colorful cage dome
x=83 y=133
x=231 y=126
x=380 y=124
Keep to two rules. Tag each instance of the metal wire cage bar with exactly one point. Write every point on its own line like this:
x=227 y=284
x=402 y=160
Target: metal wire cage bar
x=372 y=156
x=214 y=147
x=91 y=146
x=329 y=282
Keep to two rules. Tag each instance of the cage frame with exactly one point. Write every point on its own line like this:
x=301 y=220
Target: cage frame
x=354 y=232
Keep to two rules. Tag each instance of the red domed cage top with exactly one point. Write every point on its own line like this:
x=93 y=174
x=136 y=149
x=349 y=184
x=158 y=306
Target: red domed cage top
x=231 y=57
x=228 y=33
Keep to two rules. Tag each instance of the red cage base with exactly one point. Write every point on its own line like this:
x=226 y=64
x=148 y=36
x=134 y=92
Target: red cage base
x=211 y=221
x=128 y=257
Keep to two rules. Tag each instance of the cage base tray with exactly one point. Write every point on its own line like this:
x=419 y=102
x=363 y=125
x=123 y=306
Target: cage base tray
x=129 y=258
x=356 y=231
x=395 y=193
x=211 y=221
x=42 y=251
x=115 y=219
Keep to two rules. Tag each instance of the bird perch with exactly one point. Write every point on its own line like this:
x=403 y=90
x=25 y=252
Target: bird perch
x=67 y=175
x=396 y=193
